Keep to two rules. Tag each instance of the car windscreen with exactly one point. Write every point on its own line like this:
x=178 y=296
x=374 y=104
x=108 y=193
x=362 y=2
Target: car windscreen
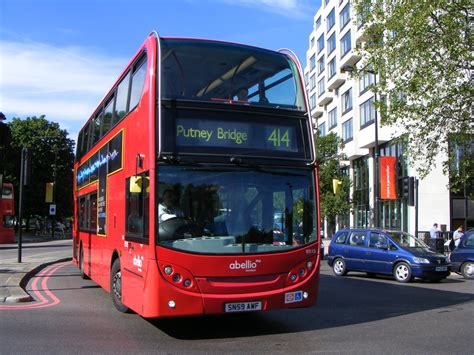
x=406 y=240
x=235 y=210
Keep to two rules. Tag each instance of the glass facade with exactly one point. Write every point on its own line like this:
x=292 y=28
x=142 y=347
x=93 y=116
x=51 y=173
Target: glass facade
x=393 y=214
x=360 y=195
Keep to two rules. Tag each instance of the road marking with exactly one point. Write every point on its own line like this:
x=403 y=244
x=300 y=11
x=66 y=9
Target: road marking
x=45 y=297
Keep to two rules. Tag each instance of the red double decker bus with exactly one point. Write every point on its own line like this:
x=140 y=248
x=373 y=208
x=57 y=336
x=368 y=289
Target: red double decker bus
x=195 y=183
x=7 y=212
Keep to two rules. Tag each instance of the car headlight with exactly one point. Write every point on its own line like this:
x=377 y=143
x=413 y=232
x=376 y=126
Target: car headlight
x=421 y=260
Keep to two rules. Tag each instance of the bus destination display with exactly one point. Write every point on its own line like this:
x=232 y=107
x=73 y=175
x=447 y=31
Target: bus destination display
x=259 y=136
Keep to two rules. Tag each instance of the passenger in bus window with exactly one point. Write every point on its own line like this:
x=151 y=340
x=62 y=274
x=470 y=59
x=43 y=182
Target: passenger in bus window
x=169 y=208
x=243 y=95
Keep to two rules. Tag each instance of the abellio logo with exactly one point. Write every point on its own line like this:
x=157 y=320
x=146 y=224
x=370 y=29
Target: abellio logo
x=247 y=265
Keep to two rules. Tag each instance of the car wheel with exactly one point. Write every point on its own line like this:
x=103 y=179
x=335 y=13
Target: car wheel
x=339 y=267
x=402 y=272
x=81 y=265
x=467 y=270
x=116 y=287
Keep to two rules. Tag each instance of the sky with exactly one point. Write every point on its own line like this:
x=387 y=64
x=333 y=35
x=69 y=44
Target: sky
x=59 y=58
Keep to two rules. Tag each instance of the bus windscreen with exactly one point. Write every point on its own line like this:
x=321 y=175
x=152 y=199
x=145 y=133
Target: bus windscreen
x=221 y=72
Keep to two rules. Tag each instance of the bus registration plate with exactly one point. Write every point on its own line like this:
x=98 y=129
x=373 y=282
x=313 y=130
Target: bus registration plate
x=243 y=306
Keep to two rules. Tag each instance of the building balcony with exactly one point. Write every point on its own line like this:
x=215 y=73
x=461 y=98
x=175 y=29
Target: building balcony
x=336 y=80
x=325 y=98
x=317 y=111
x=352 y=150
x=366 y=136
x=349 y=59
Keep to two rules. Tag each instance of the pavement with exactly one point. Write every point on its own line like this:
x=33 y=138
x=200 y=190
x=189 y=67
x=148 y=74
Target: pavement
x=14 y=276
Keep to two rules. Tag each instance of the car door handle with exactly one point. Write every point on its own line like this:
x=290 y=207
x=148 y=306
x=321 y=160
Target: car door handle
x=368 y=253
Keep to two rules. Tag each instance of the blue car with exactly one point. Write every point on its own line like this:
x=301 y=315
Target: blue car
x=462 y=258
x=394 y=253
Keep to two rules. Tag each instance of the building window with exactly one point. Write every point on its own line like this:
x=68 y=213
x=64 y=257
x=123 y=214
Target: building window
x=332 y=68
x=312 y=62
x=345 y=16
x=318 y=23
x=347 y=130
x=331 y=43
x=331 y=20
x=365 y=81
x=332 y=118
x=311 y=45
x=321 y=65
x=367 y=113
x=312 y=84
x=312 y=101
x=321 y=87
x=346 y=101
x=346 y=44
x=322 y=129
x=320 y=43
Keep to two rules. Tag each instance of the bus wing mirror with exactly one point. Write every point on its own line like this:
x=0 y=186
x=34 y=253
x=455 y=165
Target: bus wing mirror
x=136 y=184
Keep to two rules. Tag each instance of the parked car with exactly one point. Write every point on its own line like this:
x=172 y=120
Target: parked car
x=462 y=258
x=394 y=253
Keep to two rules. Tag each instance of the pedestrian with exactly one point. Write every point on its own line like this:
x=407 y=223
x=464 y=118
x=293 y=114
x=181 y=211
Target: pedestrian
x=434 y=231
x=458 y=233
x=61 y=228
x=37 y=228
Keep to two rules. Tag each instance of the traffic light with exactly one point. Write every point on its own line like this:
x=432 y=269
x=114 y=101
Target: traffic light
x=408 y=189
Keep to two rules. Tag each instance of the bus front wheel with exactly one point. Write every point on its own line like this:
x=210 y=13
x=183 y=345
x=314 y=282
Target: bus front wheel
x=116 y=287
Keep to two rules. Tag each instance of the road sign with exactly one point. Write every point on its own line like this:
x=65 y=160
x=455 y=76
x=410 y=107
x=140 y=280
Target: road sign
x=52 y=209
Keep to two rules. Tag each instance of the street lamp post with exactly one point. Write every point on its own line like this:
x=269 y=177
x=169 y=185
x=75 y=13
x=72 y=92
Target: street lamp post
x=350 y=69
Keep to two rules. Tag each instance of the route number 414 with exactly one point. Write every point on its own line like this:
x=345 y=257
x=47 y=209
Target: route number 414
x=279 y=138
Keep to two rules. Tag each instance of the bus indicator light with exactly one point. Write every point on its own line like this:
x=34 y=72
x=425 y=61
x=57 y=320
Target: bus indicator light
x=168 y=270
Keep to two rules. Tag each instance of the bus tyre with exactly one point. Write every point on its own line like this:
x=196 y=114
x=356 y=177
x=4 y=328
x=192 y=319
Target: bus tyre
x=116 y=287
x=81 y=265
x=402 y=272
x=339 y=267
x=467 y=270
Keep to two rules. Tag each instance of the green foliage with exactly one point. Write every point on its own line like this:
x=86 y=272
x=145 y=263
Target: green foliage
x=329 y=160
x=52 y=153
x=423 y=51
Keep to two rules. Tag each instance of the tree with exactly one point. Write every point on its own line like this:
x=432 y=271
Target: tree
x=329 y=160
x=52 y=159
x=423 y=51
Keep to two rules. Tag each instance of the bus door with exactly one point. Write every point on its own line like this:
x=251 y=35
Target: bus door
x=134 y=260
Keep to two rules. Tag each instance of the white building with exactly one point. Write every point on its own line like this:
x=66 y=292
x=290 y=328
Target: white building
x=344 y=105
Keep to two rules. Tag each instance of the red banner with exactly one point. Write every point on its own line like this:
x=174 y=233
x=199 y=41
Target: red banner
x=388 y=178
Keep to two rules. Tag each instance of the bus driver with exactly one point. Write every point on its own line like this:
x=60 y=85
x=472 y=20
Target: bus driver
x=168 y=207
